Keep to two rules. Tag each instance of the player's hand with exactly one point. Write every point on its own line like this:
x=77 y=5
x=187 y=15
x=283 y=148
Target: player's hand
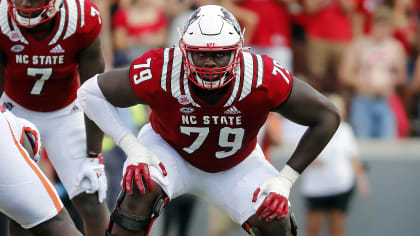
x=139 y=158
x=276 y=191
x=139 y=172
x=275 y=204
x=136 y=167
x=92 y=177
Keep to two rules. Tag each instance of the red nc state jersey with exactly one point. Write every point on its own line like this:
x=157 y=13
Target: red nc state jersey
x=216 y=137
x=41 y=75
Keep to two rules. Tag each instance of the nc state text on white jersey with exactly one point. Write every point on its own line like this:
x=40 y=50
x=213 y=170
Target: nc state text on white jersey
x=39 y=60
x=214 y=120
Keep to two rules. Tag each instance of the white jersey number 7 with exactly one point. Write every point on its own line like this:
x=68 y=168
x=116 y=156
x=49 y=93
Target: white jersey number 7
x=39 y=84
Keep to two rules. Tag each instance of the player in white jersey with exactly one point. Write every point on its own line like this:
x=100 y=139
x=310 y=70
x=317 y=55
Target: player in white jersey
x=26 y=195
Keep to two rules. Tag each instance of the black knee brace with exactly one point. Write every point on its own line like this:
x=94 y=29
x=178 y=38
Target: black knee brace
x=135 y=223
x=251 y=230
x=254 y=231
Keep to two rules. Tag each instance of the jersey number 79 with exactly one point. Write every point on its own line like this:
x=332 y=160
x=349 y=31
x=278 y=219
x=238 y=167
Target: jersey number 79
x=225 y=133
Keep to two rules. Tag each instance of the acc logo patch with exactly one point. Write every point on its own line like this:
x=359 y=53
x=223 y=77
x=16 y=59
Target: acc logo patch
x=187 y=110
x=14 y=36
x=184 y=100
x=17 y=48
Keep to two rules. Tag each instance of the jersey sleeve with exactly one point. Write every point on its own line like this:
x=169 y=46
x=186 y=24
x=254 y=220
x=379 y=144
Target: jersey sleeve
x=145 y=75
x=92 y=26
x=277 y=81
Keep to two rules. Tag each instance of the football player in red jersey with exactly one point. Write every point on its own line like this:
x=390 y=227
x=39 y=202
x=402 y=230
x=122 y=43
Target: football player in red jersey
x=49 y=47
x=19 y=150
x=209 y=98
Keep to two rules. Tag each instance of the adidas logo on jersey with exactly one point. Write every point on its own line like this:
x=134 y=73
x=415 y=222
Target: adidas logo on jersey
x=232 y=111
x=57 y=49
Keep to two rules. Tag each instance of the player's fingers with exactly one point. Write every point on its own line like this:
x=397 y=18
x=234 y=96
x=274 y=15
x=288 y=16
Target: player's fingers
x=263 y=209
x=272 y=211
x=283 y=209
x=127 y=181
x=255 y=197
x=147 y=178
x=101 y=195
x=271 y=217
x=277 y=212
x=162 y=167
x=139 y=181
x=102 y=188
x=286 y=210
x=260 y=210
x=270 y=208
x=94 y=184
x=266 y=212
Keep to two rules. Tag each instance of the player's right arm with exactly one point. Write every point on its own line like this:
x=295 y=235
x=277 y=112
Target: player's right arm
x=99 y=97
x=116 y=87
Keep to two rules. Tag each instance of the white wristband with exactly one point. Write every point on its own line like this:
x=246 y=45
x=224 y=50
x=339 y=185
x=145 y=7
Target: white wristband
x=137 y=152
x=131 y=146
x=290 y=174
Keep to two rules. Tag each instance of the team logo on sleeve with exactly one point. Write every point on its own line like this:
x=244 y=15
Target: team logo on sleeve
x=184 y=100
x=14 y=36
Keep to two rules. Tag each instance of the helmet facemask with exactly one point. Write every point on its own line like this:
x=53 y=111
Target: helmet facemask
x=31 y=17
x=211 y=29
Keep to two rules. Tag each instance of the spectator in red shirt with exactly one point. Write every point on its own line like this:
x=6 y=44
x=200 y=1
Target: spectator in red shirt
x=139 y=26
x=329 y=31
x=271 y=34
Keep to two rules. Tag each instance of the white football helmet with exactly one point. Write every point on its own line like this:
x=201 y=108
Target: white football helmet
x=30 y=17
x=211 y=28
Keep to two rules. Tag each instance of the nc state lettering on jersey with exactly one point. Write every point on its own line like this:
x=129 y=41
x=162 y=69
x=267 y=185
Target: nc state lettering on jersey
x=212 y=120
x=39 y=60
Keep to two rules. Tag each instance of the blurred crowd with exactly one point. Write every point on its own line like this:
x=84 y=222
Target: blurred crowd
x=364 y=50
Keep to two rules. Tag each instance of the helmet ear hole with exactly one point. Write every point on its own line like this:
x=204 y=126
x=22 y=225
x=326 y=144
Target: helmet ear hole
x=211 y=28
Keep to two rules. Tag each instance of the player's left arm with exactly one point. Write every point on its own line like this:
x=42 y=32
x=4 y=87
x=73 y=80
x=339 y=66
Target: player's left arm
x=91 y=62
x=308 y=107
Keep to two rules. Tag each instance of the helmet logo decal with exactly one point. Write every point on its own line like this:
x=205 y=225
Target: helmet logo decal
x=194 y=16
x=210 y=45
x=231 y=19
